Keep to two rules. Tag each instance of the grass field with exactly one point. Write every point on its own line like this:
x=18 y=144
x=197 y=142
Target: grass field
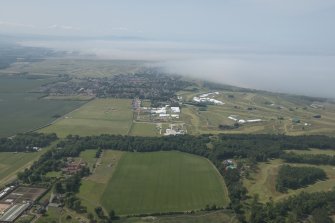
x=23 y=111
x=163 y=182
x=12 y=163
x=263 y=181
x=275 y=110
x=314 y=151
x=93 y=187
x=144 y=129
x=209 y=217
x=109 y=116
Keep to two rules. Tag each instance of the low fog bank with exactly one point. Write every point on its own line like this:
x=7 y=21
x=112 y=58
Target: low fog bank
x=305 y=75
x=289 y=70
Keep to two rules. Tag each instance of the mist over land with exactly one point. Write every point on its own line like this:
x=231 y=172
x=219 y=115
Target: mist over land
x=279 y=69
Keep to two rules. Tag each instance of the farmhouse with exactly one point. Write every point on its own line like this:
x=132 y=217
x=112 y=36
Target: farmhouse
x=73 y=167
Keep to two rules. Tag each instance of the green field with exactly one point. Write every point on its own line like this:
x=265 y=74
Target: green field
x=12 y=163
x=275 y=110
x=314 y=151
x=263 y=181
x=100 y=116
x=22 y=110
x=93 y=187
x=144 y=129
x=163 y=182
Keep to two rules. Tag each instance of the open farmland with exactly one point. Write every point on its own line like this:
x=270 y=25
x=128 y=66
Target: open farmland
x=23 y=111
x=276 y=112
x=93 y=187
x=144 y=129
x=100 y=116
x=77 y=67
x=163 y=182
x=12 y=163
x=263 y=181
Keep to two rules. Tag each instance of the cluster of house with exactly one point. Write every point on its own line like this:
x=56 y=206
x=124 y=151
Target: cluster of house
x=205 y=98
x=72 y=166
x=229 y=164
x=175 y=129
x=164 y=112
x=243 y=121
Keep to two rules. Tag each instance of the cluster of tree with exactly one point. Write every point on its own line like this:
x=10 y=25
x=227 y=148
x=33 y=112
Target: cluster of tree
x=290 y=177
x=317 y=159
x=294 y=209
x=98 y=153
x=101 y=215
x=26 y=142
x=185 y=143
x=262 y=147
x=69 y=187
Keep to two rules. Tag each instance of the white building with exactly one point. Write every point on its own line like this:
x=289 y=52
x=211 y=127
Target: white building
x=175 y=109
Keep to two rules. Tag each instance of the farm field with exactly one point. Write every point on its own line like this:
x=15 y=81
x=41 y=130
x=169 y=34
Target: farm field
x=93 y=186
x=263 y=182
x=77 y=67
x=144 y=129
x=163 y=182
x=22 y=110
x=12 y=163
x=212 y=217
x=100 y=116
x=276 y=111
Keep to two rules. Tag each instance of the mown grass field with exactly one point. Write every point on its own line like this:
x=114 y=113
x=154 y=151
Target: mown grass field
x=100 y=116
x=263 y=181
x=163 y=182
x=276 y=110
x=12 y=163
x=93 y=187
x=144 y=129
x=22 y=110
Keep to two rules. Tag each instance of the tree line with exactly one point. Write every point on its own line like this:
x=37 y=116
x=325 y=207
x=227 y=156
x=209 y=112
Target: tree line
x=26 y=142
x=317 y=159
x=290 y=177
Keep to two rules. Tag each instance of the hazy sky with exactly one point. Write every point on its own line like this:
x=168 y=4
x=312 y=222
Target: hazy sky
x=235 y=41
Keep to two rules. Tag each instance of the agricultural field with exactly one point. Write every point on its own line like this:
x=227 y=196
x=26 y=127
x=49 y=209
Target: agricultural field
x=77 y=67
x=93 y=186
x=263 y=181
x=21 y=110
x=144 y=129
x=100 y=116
x=12 y=163
x=163 y=182
x=212 y=217
x=276 y=112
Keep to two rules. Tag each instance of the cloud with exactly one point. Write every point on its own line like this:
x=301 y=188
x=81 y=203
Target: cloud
x=15 y=24
x=124 y=29
x=64 y=27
